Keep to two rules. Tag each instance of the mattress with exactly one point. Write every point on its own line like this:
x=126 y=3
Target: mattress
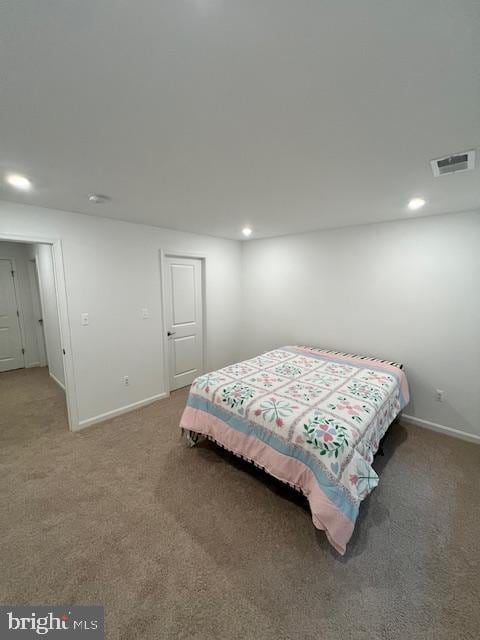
x=310 y=417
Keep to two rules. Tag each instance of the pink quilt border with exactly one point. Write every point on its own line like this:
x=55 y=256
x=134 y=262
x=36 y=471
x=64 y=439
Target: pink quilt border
x=325 y=515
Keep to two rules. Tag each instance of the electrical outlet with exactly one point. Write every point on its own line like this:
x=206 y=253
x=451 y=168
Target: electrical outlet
x=126 y=381
x=145 y=314
x=439 y=394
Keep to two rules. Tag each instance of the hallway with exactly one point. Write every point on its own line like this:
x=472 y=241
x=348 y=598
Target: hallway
x=31 y=405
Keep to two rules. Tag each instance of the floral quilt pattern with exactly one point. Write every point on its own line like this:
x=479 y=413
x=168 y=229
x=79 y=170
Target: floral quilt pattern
x=267 y=380
x=274 y=410
x=325 y=434
x=305 y=392
x=332 y=409
x=288 y=369
x=236 y=396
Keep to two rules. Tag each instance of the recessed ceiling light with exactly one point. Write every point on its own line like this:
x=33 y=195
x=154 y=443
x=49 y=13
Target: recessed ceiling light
x=98 y=198
x=416 y=203
x=247 y=231
x=18 y=181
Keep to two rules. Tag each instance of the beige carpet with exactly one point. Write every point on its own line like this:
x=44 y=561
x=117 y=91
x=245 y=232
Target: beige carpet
x=183 y=543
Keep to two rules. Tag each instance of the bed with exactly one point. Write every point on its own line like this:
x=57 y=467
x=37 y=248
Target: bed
x=311 y=418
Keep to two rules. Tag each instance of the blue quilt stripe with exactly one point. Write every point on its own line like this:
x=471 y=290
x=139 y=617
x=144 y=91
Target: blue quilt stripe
x=248 y=428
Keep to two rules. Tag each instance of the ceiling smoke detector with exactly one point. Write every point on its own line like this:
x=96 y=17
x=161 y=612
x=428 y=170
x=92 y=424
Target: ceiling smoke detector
x=462 y=161
x=98 y=198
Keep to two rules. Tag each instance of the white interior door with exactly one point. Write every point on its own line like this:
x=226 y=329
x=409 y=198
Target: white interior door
x=184 y=316
x=11 y=350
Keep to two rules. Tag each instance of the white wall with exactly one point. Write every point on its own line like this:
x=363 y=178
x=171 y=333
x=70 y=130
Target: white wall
x=112 y=271
x=51 y=325
x=20 y=255
x=406 y=291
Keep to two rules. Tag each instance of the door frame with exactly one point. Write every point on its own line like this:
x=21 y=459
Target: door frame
x=39 y=329
x=167 y=253
x=64 y=322
x=20 y=317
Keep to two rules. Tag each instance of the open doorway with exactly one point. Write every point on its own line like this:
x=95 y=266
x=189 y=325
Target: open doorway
x=31 y=353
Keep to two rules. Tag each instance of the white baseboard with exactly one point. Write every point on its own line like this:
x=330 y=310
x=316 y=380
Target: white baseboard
x=55 y=379
x=440 y=428
x=118 y=412
x=31 y=365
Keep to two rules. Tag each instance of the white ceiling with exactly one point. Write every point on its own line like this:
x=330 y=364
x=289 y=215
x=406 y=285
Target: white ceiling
x=205 y=115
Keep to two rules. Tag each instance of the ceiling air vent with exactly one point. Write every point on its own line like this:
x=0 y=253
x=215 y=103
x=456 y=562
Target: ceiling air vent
x=462 y=161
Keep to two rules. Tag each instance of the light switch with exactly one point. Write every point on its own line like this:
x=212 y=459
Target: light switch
x=84 y=317
x=145 y=314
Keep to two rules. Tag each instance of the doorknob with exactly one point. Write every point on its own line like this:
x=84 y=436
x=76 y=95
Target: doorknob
x=171 y=333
